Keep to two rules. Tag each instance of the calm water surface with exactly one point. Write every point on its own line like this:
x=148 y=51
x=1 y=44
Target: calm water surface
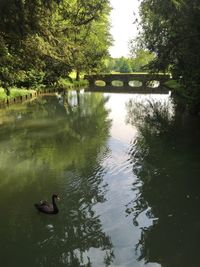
x=126 y=168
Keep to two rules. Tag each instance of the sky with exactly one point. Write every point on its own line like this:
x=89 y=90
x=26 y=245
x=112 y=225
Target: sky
x=123 y=29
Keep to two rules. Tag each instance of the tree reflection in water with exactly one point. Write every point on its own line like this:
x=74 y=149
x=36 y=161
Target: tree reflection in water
x=166 y=158
x=56 y=144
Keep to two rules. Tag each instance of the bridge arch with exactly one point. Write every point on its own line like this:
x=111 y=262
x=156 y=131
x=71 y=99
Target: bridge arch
x=100 y=83
x=153 y=84
x=117 y=83
x=135 y=83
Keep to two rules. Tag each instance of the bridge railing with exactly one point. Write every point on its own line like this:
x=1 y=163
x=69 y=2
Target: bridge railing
x=144 y=79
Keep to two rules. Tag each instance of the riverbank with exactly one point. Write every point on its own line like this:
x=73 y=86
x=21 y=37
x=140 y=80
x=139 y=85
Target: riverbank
x=182 y=98
x=174 y=85
x=16 y=95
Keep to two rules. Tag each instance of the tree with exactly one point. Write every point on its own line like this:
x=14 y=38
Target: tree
x=28 y=36
x=51 y=38
x=171 y=30
x=121 y=64
x=89 y=35
x=140 y=57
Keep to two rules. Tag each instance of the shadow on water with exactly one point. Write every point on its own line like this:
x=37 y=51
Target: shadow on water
x=128 y=89
x=166 y=158
x=54 y=145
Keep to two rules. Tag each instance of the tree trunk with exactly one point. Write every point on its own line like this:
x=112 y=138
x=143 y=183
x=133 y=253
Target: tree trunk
x=77 y=75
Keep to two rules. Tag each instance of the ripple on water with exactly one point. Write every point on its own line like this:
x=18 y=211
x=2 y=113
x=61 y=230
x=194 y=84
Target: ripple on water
x=117 y=164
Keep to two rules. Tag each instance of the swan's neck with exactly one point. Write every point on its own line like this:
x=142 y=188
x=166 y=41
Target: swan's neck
x=55 y=208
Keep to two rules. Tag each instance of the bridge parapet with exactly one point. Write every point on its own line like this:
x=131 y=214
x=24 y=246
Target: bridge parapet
x=126 y=78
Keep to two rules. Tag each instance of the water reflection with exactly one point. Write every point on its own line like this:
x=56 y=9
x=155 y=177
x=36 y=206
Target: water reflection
x=54 y=145
x=65 y=144
x=166 y=158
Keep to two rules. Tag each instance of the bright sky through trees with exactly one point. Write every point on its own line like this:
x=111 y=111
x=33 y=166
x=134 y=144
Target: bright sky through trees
x=123 y=29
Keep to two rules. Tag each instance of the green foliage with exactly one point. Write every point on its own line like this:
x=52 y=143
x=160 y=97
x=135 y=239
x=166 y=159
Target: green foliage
x=88 y=49
x=30 y=78
x=42 y=41
x=69 y=83
x=137 y=62
x=140 y=57
x=122 y=65
x=14 y=92
x=171 y=30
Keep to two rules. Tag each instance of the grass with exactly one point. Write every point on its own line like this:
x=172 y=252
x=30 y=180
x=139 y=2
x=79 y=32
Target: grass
x=140 y=72
x=14 y=92
x=66 y=84
x=172 y=84
x=62 y=83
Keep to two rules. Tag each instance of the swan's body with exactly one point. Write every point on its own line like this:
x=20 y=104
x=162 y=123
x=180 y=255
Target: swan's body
x=46 y=207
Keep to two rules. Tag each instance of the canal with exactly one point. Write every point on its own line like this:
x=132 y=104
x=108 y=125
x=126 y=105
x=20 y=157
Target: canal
x=126 y=168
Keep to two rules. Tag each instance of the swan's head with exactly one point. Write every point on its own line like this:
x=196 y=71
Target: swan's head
x=56 y=196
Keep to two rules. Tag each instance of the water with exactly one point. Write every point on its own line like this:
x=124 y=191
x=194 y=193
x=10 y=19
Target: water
x=127 y=172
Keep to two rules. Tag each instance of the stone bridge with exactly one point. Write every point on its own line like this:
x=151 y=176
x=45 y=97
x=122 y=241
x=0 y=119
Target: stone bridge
x=139 y=83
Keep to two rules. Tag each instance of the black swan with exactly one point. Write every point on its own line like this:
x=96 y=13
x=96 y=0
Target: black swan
x=46 y=207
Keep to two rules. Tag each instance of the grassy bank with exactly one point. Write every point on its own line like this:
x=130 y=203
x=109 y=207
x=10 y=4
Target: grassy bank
x=66 y=84
x=13 y=93
x=176 y=88
x=174 y=85
x=61 y=84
